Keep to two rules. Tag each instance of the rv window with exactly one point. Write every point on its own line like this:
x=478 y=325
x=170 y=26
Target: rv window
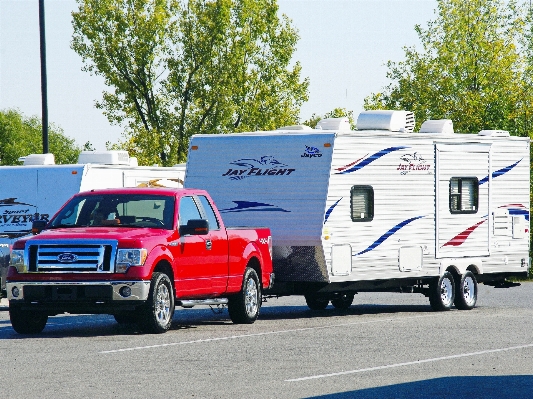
x=464 y=194
x=362 y=203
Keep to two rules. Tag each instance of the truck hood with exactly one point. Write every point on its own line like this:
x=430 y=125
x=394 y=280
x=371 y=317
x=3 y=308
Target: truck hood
x=124 y=235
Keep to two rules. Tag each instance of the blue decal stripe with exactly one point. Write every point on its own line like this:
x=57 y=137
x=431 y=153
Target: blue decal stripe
x=519 y=212
x=328 y=212
x=247 y=206
x=499 y=172
x=381 y=239
x=371 y=158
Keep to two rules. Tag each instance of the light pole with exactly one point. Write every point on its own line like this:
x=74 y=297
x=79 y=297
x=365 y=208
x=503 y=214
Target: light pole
x=44 y=97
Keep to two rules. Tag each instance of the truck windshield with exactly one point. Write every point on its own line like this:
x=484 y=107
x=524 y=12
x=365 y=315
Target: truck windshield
x=124 y=210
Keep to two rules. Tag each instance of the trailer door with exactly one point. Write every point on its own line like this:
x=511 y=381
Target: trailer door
x=462 y=189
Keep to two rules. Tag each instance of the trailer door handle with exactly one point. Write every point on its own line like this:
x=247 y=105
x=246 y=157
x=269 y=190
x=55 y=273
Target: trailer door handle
x=208 y=244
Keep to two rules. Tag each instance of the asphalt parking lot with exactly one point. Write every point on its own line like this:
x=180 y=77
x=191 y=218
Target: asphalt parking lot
x=386 y=345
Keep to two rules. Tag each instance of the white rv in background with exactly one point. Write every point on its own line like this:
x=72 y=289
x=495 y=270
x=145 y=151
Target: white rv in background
x=380 y=208
x=39 y=187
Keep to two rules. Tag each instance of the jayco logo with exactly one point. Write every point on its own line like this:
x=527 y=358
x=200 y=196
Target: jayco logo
x=311 y=152
x=413 y=163
x=264 y=166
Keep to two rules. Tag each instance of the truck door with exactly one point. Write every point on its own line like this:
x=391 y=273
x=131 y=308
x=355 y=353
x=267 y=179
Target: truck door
x=462 y=200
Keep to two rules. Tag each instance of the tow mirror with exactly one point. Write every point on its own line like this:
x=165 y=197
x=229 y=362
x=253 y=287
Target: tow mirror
x=37 y=226
x=195 y=227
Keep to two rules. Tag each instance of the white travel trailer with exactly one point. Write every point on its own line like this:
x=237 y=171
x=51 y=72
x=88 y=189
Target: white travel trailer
x=39 y=187
x=380 y=208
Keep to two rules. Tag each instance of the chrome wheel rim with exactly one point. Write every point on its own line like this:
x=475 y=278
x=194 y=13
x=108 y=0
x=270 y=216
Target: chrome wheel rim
x=250 y=299
x=162 y=305
x=446 y=290
x=469 y=290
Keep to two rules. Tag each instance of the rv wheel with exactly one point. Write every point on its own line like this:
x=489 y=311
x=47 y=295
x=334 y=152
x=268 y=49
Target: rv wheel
x=315 y=302
x=466 y=292
x=442 y=292
x=27 y=321
x=343 y=302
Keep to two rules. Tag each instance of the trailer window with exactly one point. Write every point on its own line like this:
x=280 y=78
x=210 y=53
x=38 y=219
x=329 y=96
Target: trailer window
x=362 y=203
x=464 y=194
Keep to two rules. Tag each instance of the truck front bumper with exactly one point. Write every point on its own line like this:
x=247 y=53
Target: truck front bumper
x=78 y=292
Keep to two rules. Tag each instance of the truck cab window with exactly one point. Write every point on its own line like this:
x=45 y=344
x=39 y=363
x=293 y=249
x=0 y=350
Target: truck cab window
x=464 y=194
x=188 y=210
x=362 y=203
x=211 y=217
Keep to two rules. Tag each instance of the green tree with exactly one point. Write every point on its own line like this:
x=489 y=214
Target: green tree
x=470 y=69
x=335 y=113
x=21 y=136
x=181 y=67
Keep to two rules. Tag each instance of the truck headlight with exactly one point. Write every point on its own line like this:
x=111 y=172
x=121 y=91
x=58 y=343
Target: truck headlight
x=130 y=257
x=16 y=259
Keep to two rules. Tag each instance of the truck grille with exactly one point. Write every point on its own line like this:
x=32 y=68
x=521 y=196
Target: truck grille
x=72 y=257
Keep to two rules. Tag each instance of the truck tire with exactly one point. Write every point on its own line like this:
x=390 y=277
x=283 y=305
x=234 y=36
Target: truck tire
x=316 y=302
x=343 y=302
x=244 y=307
x=466 y=292
x=27 y=321
x=156 y=315
x=442 y=292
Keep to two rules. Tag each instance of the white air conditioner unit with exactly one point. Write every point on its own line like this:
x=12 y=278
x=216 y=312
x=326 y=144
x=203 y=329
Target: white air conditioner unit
x=437 y=126
x=340 y=124
x=104 y=157
x=393 y=121
x=38 y=159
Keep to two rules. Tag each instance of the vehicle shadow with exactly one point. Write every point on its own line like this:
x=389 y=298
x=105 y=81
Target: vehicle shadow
x=486 y=387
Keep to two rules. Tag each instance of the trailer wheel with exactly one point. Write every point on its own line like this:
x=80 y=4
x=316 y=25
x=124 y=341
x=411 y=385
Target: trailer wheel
x=156 y=315
x=466 y=292
x=442 y=292
x=27 y=321
x=244 y=307
x=316 y=302
x=343 y=302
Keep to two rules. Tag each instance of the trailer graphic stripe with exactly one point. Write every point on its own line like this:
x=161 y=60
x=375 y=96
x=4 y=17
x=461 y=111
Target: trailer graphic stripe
x=517 y=210
x=461 y=237
x=250 y=206
x=499 y=172
x=328 y=212
x=381 y=239
x=370 y=159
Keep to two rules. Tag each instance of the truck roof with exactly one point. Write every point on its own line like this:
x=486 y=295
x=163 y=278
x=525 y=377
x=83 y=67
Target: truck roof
x=145 y=190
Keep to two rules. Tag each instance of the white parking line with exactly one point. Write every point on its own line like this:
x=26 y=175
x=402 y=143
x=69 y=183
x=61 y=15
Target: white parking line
x=389 y=366
x=270 y=333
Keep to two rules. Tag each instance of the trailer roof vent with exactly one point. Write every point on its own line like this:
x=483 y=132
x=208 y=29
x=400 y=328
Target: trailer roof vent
x=295 y=127
x=341 y=124
x=494 y=133
x=437 y=126
x=393 y=121
x=104 y=157
x=38 y=159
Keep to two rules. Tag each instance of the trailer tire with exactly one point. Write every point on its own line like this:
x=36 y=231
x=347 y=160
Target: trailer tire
x=155 y=316
x=466 y=292
x=244 y=307
x=442 y=292
x=315 y=302
x=343 y=302
x=27 y=321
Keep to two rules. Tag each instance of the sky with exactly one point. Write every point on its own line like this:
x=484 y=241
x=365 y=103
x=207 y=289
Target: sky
x=343 y=48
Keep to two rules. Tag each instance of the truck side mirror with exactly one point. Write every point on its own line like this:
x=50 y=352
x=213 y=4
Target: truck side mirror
x=37 y=226
x=195 y=227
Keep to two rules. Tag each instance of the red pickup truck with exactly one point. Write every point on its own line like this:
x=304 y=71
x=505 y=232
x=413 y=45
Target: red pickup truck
x=136 y=253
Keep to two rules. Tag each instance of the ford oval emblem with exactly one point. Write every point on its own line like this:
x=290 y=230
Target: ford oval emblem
x=67 y=257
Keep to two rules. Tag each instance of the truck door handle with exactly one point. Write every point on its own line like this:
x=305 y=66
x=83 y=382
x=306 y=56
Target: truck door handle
x=208 y=244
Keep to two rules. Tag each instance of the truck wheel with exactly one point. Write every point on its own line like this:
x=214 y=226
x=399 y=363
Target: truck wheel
x=156 y=315
x=315 y=302
x=343 y=302
x=27 y=321
x=442 y=292
x=244 y=307
x=466 y=292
